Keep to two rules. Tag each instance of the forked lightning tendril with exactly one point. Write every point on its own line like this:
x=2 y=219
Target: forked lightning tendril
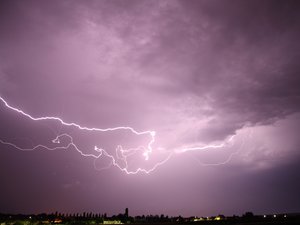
x=121 y=154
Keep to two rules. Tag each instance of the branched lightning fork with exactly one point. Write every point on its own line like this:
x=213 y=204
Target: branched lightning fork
x=121 y=154
x=124 y=153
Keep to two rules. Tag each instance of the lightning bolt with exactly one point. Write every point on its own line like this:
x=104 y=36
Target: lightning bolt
x=121 y=154
x=197 y=148
x=229 y=158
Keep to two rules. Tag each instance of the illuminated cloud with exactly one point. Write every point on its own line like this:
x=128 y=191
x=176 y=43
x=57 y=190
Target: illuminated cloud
x=196 y=72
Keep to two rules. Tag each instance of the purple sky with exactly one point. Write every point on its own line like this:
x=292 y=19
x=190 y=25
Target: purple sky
x=196 y=72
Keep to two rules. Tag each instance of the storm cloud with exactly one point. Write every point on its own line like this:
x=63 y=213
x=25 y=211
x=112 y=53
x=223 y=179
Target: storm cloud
x=196 y=72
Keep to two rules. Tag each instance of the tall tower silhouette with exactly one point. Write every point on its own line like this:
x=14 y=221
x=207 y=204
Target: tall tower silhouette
x=126 y=212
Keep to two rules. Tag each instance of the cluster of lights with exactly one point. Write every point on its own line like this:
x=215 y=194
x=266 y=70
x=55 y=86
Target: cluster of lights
x=275 y=216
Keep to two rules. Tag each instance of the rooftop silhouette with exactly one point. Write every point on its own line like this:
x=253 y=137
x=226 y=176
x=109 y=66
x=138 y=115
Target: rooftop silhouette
x=125 y=218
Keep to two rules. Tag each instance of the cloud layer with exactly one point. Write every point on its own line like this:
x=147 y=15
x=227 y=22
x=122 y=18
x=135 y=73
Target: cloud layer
x=196 y=72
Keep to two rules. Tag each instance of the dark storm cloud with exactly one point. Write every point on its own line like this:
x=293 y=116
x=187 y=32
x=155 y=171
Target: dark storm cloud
x=238 y=63
x=197 y=72
x=255 y=56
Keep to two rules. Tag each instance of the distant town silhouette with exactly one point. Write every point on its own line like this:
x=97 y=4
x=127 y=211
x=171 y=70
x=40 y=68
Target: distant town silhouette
x=124 y=218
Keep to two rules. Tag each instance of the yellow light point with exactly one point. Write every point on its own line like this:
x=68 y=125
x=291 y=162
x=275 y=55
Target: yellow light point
x=218 y=218
x=57 y=221
x=112 y=222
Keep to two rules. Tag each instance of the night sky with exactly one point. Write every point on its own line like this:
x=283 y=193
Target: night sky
x=218 y=81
